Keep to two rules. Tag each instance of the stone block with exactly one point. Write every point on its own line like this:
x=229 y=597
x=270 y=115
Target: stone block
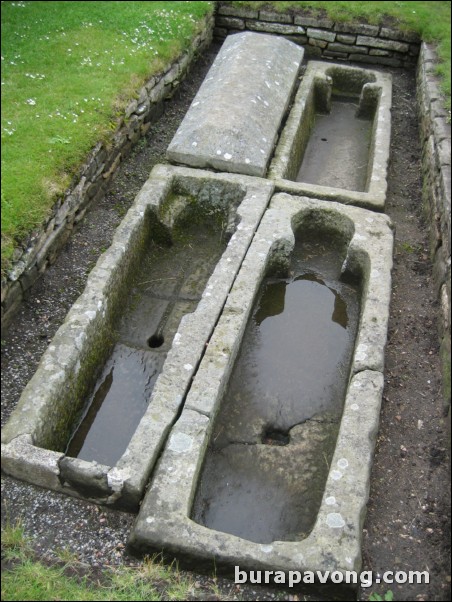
x=318 y=43
x=233 y=122
x=335 y=55
x=384 y=44
x=345 y=39
x=14 y=296
x=28 y=278
x=317 y=23
x=313 y=51
x=31 y=464
x=335 y=47
x=380 y=52
x=275 y=28
x=397 y=34
x=275 y=17
x=230 y=23
x=359 y=28
x=320 y=34
x=375 y=60
x=238 y=11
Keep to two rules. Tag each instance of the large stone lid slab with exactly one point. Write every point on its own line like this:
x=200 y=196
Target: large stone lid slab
x=233 y=122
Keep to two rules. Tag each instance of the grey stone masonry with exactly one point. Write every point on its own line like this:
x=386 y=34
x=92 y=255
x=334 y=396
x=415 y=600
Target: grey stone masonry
x=371 y=88
x=164 y=520
x=233 y=123
x=322 y=36
x=41 y=249
x=435 y=133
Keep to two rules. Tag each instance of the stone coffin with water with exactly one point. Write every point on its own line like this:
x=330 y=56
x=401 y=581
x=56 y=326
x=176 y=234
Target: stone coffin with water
x=335 y=143
x=121 y=364
x=268 y=465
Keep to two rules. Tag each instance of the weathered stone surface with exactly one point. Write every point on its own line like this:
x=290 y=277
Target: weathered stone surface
x=384 y=44
x=233 y=121
x=345 y=39
x=28 y=278
x=375 y=60
x=313 y=22
x=277 y=28
x=379 y=52
x=270 y=15
x=86 y=329
x=24 y=461
x=288 y=154
x=238 y=11
x=230 y=22
x=164 y=521
x=318 y=43
x=436 y=192
x=87 y=478
x=360 y=28
x=398 y=34
x=320 y=34
x=335 y=55
x=345 y=48
x=313 y=51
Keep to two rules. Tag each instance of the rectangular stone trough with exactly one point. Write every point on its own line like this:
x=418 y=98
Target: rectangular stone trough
x=35 y=438
x=233 y=122
x=168 y=519
x=335 y=143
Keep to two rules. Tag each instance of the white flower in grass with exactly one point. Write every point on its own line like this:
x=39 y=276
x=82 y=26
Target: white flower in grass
x=31 y=101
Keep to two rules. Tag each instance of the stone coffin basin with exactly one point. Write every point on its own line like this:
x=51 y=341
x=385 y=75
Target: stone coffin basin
x=35 y=438
x=168 y=518
x=348 y=158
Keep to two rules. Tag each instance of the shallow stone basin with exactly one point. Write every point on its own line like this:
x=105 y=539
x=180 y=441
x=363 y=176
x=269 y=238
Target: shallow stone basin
x=36 y=436
x=335 y=144
x=334 y=543
x=275 y=433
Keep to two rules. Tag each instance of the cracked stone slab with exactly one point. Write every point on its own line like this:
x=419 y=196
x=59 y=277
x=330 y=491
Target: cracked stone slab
x=165 y=520
x=35 y=426
x=233 y=122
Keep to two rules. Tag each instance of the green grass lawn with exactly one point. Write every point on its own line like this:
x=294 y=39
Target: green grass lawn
x=68 y=68
x=26 y=578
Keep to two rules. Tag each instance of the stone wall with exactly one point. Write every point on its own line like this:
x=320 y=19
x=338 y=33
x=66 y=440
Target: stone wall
x=322 y=37
x=43 y=246
x=435 y=131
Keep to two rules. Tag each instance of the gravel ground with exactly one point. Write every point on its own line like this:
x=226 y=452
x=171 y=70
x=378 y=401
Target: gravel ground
x=408 y=524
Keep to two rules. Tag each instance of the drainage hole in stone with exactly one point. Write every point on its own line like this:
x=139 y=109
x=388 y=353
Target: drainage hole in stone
x=324 y=139
x=275 y=437
x=156 y=340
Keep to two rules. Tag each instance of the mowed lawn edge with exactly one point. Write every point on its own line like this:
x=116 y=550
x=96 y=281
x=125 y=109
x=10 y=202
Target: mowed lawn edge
x=69 y=69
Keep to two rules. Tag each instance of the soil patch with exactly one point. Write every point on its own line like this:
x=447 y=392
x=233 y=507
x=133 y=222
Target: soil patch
x=408 y=524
